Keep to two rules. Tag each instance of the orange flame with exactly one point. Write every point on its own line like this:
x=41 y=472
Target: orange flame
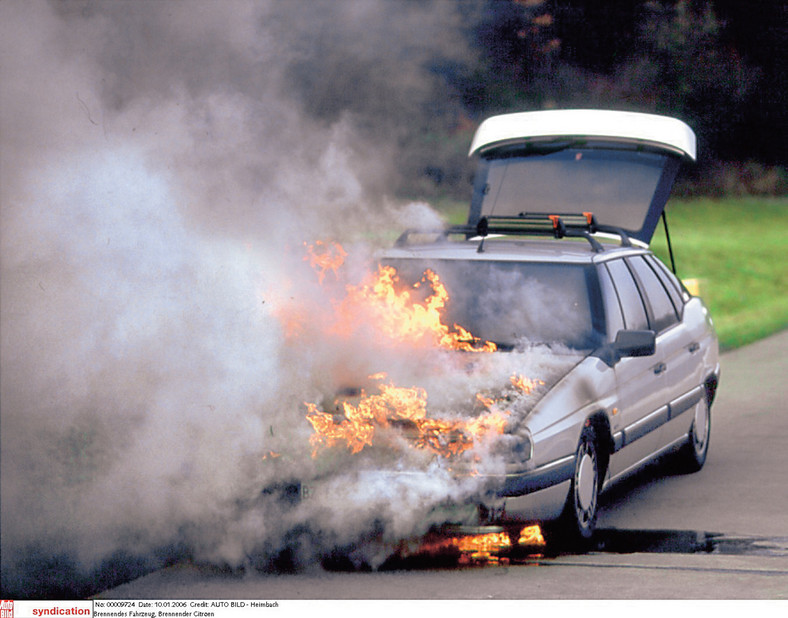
x=487 y=402
x=526 y=385
x=393 y=310
x=398 y=316
x=400 y=313
x=531 y=535
x=406 y=407
x=485 y=547
x=324 y=257
x=482 y=548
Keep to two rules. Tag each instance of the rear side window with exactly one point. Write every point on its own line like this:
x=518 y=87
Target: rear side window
x=662 y=313
x=629 y=296
x=669 y=281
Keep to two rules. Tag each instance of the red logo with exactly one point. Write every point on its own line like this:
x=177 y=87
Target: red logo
x=6 y=609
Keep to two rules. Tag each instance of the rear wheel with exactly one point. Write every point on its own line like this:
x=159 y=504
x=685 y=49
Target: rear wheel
x=693 y=453
x=575 y=528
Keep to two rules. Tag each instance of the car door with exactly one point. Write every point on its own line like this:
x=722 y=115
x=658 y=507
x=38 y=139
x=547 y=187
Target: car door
x=682 y=357
x=641 y=405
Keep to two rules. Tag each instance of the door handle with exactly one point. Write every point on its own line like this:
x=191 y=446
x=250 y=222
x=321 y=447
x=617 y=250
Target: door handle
x=660 y=368
x=693 y=347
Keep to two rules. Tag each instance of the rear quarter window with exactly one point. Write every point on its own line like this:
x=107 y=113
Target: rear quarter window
x=661 y=312
x=670 y=282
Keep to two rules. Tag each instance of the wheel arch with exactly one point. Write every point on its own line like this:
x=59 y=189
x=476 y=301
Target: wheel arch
x=601 y=425
x=711 y=388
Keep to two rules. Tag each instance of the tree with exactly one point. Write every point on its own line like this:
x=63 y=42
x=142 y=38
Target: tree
x=683 y=69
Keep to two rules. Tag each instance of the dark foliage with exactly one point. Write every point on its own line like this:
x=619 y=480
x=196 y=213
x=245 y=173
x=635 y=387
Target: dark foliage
x=717 y=65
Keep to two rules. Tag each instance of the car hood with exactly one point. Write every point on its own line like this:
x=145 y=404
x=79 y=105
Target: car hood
x=556 y=371
x=545 y=367
x=620 y=166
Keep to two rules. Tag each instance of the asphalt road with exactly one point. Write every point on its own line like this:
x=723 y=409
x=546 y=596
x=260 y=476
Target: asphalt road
x=721 y=533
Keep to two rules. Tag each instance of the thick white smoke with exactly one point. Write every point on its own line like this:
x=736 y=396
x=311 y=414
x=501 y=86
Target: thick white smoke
x=162 y=165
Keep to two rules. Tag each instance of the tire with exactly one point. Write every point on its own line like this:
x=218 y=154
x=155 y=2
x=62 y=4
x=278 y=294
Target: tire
x=575 y=528
x=692 y=455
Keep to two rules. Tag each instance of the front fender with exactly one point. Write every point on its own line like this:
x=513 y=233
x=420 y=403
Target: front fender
x=557 y=420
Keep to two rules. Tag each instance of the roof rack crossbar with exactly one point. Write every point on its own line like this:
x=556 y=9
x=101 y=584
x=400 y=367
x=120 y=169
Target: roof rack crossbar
x=579 y=225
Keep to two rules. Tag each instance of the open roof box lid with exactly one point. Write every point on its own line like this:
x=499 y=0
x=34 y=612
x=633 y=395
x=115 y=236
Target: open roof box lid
x=620 y=166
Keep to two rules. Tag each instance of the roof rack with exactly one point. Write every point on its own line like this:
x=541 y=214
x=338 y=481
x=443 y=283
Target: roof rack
x=570 y=225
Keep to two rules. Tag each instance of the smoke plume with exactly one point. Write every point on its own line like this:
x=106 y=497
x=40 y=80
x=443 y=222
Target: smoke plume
x=163 y=164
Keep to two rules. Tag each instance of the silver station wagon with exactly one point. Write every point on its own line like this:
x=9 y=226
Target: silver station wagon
x=565 y=204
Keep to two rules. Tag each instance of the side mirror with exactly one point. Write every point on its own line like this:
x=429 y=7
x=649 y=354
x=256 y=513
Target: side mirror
x=635 y=343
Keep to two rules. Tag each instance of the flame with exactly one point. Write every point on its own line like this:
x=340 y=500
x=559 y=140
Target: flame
x=406 y=406
x=531 y=535
x=407 y=314
x=357 y=429
x=487 y=402
x=482 y=548
x=476 y=549
x=395 y=312
x=399 y=316
x=324 y=257
x=526 y=385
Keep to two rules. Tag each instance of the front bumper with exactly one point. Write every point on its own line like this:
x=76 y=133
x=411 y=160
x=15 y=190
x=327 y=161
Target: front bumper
x=536 y=495
x=532 y=496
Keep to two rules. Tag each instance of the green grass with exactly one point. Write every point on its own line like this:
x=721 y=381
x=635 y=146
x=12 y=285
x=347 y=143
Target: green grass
x=735 y=247
x=455 y=211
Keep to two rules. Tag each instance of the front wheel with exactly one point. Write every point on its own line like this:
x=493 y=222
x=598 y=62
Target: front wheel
x=575 y=528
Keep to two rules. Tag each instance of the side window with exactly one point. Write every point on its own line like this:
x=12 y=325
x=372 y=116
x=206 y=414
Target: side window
x=662 y=314
x=669 y=281
x=613 y=316
x=628 y=295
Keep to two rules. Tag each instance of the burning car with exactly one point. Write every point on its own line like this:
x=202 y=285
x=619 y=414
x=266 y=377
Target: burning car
x=553 y=263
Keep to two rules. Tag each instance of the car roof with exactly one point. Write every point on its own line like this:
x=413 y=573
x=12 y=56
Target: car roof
x=564 y=251
x=662 y=132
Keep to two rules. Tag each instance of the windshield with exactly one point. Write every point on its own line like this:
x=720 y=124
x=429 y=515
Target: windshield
x=517 y=303
x=617 y=184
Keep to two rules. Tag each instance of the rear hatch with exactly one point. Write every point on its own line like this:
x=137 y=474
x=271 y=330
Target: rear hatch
x=620 y=166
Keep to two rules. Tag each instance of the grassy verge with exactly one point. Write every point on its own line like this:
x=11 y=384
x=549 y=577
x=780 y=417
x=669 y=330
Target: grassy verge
x=736 y=249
